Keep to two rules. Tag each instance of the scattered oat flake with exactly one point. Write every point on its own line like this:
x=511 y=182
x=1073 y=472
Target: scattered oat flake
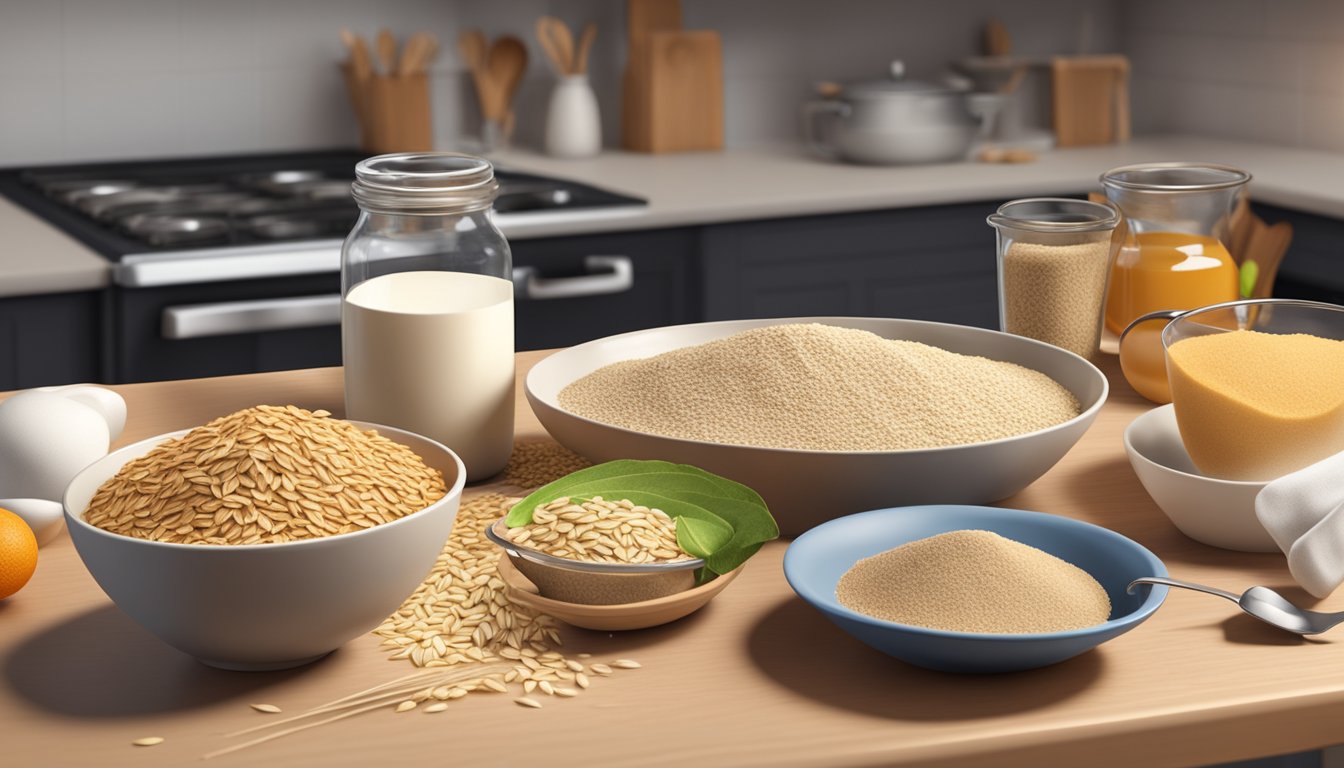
x=148 y=741
x=566 y=692
x=626 y=664
x=439 y=707
x=269 y=709
x=526 y=702
x=406 y=706
x=495 y=685
x=601 y=669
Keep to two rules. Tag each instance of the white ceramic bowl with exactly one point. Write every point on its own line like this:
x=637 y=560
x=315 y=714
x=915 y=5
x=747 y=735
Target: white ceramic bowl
x=1220 y=513
x=265 y=606
x=806 y=488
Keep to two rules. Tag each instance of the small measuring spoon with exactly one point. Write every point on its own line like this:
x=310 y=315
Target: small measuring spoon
x=1263 y=603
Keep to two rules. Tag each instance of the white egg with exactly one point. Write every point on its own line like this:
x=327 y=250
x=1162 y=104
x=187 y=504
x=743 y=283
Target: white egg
x=104 y=401
x=44 y=517
x=45 y=440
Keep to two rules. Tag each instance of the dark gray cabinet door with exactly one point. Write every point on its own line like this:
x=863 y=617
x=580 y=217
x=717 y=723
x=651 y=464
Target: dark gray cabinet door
x=662 y=289
x=932 y=263
x=49 y=339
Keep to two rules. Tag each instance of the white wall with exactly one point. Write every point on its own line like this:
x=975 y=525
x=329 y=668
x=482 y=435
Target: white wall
x=116 y=79
x=1266 y=70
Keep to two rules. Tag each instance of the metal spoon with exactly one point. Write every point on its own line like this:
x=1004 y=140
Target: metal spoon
x=1263 y=603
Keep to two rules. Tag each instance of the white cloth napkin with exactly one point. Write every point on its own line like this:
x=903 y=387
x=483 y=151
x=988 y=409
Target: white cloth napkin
x=1304 y=513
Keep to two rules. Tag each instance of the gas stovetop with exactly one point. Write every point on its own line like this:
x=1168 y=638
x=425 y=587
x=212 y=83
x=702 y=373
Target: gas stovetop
x=239 y=208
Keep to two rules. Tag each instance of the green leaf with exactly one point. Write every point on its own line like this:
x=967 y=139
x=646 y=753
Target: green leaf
x=700 y=537
x=718 y=520
x=1250 y=273
x=521 y=513
x=752 y=526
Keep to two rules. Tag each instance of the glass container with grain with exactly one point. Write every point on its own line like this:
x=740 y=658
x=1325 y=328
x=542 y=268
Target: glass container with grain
x=1054 y=256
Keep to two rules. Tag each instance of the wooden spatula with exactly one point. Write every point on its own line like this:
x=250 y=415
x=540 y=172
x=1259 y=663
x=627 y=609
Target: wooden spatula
x=1267 y=246
x=387 y=51
x=505 y=65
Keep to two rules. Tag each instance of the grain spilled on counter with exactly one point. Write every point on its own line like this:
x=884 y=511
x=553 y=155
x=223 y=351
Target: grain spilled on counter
x=461 y=616
x=265 y=475
x=148 y=741
x=974 y=581
x=823 y=388
x=459 y=630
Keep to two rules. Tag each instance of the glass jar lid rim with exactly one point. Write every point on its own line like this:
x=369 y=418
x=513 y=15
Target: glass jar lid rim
x=1217 y=177
x=424 y=182
x=1087 y=216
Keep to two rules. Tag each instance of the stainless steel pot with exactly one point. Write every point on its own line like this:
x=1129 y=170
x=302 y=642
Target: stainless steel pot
x=892 y=122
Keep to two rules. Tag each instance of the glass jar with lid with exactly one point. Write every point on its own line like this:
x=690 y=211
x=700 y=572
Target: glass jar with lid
x=427 y=310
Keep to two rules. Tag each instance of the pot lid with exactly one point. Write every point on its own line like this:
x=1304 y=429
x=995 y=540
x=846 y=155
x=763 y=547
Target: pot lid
x=895 y=84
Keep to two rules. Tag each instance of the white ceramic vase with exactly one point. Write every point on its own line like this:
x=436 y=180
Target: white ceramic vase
x=573 y=125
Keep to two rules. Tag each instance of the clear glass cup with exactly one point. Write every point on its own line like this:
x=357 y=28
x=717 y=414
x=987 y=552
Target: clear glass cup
x=1258 y=411
x=1054 y=255
x=427 y=310
x=1172 y=254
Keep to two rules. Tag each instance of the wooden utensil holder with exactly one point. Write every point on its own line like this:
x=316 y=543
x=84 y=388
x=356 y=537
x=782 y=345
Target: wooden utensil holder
x=393 y=111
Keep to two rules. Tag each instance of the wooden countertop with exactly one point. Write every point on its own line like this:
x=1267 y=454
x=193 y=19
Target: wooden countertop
x=756 y=678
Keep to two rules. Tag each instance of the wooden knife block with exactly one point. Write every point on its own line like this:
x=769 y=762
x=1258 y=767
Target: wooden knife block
x=673 y=93
x=393 y=112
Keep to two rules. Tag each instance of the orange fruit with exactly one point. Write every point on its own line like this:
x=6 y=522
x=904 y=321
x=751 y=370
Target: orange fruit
x=18 y=553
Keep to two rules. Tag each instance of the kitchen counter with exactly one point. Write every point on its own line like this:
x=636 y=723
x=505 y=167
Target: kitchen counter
x=37 y=258
x=763 y=183
x=756 y=678
x=775 y=182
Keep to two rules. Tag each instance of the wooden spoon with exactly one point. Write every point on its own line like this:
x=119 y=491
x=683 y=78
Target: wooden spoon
x=550 y=43
x=416 y=54
x=387 y=51
x=585 y=46
x=471 y=45
x=997 y=40
x=505 y=65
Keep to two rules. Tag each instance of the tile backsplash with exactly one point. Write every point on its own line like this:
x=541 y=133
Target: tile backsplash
x=115 y=79
x=1263 y=70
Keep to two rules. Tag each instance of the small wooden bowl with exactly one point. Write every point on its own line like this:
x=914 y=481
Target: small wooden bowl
x=641 y=615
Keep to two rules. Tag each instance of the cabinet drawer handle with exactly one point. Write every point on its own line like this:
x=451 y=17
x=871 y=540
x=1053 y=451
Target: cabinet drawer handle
x=605 y=274
x=194 y=321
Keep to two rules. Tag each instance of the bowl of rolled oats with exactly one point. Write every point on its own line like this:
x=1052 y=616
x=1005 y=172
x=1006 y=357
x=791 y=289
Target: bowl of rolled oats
x=267 y=538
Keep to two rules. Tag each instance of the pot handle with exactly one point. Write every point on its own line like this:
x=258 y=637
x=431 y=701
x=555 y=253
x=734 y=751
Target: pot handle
x=811 y=111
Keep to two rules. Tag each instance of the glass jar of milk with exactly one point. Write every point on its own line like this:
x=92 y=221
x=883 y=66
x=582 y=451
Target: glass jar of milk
x=427 y=316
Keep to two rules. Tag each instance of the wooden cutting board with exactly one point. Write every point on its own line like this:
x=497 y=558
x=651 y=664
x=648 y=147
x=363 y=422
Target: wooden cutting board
x=1091 y=100
x=685 y=92
x=673 y=87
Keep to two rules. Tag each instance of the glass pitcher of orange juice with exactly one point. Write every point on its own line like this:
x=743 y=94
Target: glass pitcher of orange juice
x=1173 y=256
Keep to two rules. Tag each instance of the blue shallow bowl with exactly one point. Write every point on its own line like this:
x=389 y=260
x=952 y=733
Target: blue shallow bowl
x=816 y=560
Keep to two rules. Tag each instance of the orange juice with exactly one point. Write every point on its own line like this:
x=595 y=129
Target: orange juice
x=1168 y=270
x=1256 y=406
